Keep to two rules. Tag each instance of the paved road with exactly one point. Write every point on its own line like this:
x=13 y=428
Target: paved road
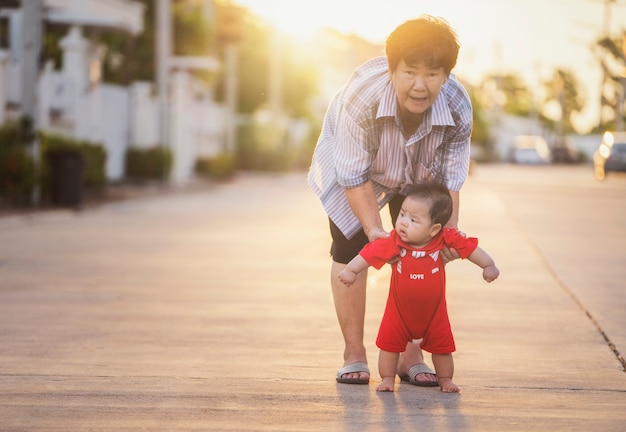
x=578 y=226
x=211 y=311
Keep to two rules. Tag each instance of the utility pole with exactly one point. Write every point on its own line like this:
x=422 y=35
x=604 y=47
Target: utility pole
x=229 y=32
x=619 y=113
x=163 y=47
x=29 y=62
x=605 y=33
x=606 y=22
x=275 y=86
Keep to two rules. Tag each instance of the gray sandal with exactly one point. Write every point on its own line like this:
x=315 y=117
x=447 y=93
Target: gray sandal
x=353 y=368
x=418 y=369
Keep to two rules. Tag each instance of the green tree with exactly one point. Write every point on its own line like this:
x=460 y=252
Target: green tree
x=611 y=56
x=130 y=58
x=481 y=131
x=299 y=77
x=518 y=100
x=563 y=90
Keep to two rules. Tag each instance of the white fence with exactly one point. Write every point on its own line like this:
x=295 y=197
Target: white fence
x=120 y=117
x=75 y=103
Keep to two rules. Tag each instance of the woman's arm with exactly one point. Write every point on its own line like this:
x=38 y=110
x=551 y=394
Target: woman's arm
x=362 y=200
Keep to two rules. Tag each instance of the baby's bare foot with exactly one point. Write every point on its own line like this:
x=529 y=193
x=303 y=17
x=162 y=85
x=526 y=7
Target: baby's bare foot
x=447 y=386
x=387 y=385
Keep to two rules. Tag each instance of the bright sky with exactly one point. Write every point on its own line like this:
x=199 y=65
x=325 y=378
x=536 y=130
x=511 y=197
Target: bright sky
x=527 y=37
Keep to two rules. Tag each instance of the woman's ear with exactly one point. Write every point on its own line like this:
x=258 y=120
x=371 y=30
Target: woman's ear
x=434 y=230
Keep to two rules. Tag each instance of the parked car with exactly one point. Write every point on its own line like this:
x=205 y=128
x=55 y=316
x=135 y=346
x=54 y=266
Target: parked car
x=531 y=149
x=611 y=154
x=564 y=151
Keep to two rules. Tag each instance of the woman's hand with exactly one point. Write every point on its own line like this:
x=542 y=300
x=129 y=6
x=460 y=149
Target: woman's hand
x=376 y=233
x=449 y=254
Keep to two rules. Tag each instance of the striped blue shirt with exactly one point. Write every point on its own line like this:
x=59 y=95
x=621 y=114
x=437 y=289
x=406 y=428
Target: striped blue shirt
x=362 y=139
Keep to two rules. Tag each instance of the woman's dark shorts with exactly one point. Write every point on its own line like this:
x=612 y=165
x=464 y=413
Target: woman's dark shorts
x=342 y=250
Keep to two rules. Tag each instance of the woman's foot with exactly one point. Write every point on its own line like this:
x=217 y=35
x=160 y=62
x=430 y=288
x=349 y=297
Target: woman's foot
x=412 y=365
x=418 y=374
x=354 y=373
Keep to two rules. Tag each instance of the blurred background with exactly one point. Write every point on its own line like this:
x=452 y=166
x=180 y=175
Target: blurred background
x=96 y=93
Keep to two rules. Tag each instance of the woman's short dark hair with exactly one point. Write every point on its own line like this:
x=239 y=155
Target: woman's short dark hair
x=425 y=39
x=438 y=195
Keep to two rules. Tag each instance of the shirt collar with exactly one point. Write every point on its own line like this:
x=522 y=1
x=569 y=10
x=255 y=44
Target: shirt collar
x=437 y=115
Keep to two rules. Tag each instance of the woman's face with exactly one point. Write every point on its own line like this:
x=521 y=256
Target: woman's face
x=417 y=86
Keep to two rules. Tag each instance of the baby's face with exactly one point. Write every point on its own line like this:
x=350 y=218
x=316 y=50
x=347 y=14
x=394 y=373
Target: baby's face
x=414 y=225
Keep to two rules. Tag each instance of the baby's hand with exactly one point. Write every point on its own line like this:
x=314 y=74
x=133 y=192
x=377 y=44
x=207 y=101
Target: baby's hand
x=490 y=273
x=347 y=277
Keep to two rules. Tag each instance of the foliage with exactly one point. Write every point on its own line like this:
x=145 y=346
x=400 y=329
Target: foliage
x=303 y=155
x=254 y=52
x=481 y=133
x=18 y=175
x=563 y=89
x=611 y=55
x=193 y=35
x=517 y=98
x=261 y=145
x=252 y=64
x=255 y=153
x=221 y=166
x=299 y=86
x=129 y=58
x=266 y=146
x=148 y=164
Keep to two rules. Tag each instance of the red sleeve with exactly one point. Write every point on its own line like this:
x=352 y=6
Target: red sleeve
x=378 y=252
x=463 y=245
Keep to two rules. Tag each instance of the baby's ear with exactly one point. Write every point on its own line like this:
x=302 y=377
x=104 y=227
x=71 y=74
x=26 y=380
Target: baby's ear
x=434 y=230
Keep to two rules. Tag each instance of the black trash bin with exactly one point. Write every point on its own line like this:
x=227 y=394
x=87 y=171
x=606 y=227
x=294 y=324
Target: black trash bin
x=66 y=177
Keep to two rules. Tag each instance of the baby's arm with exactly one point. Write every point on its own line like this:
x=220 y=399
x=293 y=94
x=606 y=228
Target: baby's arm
x=354 y=267
x=484 y=261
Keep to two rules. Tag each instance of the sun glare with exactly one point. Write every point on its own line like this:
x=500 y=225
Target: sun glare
x=488 y=46
x=289 y=17
x=303 y=19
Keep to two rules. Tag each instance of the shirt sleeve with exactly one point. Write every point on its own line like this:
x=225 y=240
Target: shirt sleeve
x=463 y=245
x=454 y=158
x=380 y=251
x=352 y=160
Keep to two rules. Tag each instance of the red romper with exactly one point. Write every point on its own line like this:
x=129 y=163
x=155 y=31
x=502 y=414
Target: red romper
x=416 y=307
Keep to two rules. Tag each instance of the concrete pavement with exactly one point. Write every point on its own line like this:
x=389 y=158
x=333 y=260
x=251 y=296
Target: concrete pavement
x=211 y=310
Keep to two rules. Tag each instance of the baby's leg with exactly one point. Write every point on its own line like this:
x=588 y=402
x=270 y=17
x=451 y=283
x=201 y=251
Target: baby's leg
x=444 y=368
x=387 y=367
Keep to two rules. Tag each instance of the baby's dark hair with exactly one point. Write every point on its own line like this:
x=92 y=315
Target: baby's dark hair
x=438 y=195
